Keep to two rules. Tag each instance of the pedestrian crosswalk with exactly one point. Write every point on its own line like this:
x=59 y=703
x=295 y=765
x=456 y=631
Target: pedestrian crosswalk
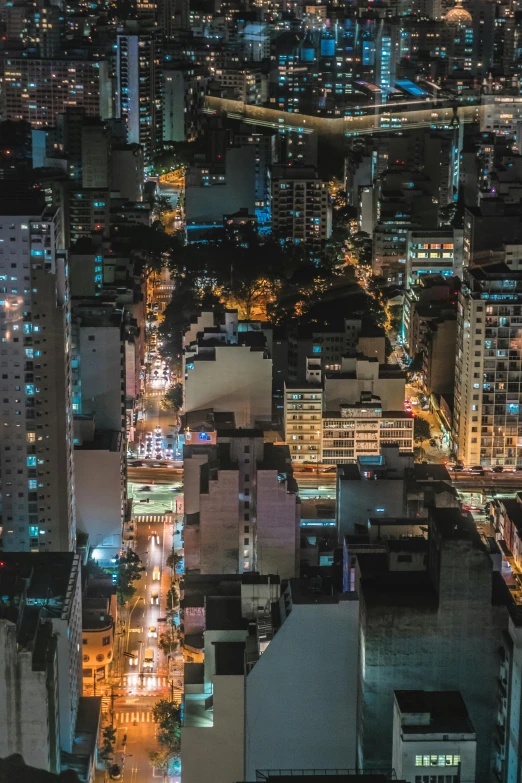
x=151 y=519
x=106 y=703
x=149 y=682
x=128 y=718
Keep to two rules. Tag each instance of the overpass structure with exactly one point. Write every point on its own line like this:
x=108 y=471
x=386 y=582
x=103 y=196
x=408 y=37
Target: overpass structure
x=433 y=112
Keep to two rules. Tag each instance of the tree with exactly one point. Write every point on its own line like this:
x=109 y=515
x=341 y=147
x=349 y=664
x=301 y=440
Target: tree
x=173 y=399
x=93 y=570
x=169 y=640
x=129 y=571
x=162 y=204
x=168 y=717
x=173 y=560
x=108 y=740
x=421 y=429
x=172 y=599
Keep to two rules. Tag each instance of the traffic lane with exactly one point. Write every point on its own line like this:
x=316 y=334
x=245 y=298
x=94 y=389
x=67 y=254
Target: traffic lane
x=150 y=538
x=133 y=756
x=146 y=475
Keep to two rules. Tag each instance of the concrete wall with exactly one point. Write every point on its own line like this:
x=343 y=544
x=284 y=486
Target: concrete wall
x=301 y=695
x=339 y=390
x=219 y=532
x=206 y=204
x=239 y=380
x=99 y=495
x=215 y=754
x=359 y=500
x=419 y=644
x=277 y=527
x=27 y=715
x=101 y=367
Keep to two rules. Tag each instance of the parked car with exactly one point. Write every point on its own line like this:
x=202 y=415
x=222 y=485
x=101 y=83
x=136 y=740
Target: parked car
x=115 y=772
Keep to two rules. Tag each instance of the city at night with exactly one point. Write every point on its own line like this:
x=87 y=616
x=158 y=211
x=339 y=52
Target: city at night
x=260 y=391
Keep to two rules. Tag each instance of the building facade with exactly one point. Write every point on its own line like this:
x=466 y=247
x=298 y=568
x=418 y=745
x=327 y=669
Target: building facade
x=487 y=423
x=36 y=458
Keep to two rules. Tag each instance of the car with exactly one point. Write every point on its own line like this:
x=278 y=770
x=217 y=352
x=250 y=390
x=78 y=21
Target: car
x=497 y=469
x=135 y=657
x=154 y=597
x=115 y=772
x=146 y=488
x=158 y=430
x=155 y=573
x=135 y=464
x=152 y=632
x=477 y=469
x=148 y=658
x=157 y=539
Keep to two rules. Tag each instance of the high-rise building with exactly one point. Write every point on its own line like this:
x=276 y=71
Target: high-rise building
x=37 y=90
x=139 y=86
x=488 y=403
x=36 y=410
x=300 y=209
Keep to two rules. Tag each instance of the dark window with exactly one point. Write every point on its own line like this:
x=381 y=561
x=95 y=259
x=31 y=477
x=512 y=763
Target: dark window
x=246 y=541
x=247 y=449
x=247 y=529
x=404 y=558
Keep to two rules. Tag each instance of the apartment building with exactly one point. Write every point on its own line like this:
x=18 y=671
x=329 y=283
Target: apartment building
x=435 y=252
x=35 y=352
x=139 y=96
x=361 y=429
x=303 y=410
x=38 y=90
x=487 y=422
x=241 y=505
x=228 y=370
x=300 y=208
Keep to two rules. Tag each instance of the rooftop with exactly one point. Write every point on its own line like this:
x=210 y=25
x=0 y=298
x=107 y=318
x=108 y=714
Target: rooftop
x=223 y=613
x=230 y=658
x=433 y=712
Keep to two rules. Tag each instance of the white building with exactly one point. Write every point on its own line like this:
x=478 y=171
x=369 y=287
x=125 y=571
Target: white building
x=229 y=377
x=100 y=469
x=435 y=252
x=309 y=667
x=303 y=408
x=487 y=414
x=356 y=376
x=361 y=429
x=433 y=737
x=36 y=463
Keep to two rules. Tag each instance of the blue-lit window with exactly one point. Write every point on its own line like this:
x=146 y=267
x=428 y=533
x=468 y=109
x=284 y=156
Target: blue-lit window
x=190 y=366
x=31 y=462
x=28 y=353
x=28 y=328
x=317 y=349
x=512 y=408
x=33 y=530
x=32 y=484
x=37 y=252
x=29 y=389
